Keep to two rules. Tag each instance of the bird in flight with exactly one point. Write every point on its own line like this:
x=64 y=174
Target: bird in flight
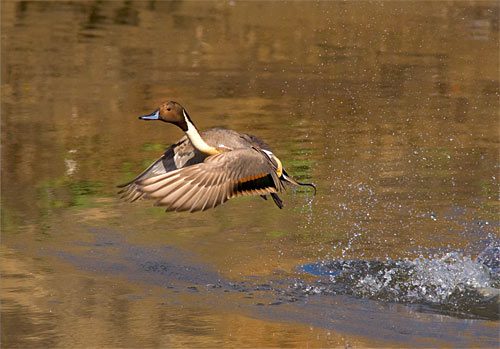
x=205 y=169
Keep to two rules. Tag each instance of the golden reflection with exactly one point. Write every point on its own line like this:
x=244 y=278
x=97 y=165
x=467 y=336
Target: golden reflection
x=74 y=308
x=391 y=108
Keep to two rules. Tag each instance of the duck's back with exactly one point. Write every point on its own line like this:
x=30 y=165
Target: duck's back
x=224 y=138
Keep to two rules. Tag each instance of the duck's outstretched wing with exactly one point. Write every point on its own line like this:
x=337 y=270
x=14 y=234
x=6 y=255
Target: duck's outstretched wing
x=176 y=156
x=130 y=192
x=208 y=184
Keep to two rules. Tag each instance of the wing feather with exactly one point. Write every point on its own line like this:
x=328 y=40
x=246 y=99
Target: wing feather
x=178 y=155
x=220 y=177
x=208 y=198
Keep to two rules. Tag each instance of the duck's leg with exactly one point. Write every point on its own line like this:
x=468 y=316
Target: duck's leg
x=277 y=200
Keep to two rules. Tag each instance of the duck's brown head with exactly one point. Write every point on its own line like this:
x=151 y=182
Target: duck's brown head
x=171 y=112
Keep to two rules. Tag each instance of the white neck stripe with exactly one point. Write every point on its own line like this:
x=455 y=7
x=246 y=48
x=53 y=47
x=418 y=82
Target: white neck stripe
x=195 y=137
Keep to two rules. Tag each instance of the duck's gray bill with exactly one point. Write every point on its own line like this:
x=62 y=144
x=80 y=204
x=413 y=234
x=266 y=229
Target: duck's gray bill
x=153 y=116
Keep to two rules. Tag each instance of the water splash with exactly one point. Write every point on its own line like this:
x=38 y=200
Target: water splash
x=307 y=211
x=450 y=283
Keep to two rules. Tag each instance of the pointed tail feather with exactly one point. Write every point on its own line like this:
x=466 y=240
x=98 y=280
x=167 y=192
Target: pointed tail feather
x=289 y=179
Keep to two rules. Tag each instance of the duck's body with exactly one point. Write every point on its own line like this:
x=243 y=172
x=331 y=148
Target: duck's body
x=205 y=169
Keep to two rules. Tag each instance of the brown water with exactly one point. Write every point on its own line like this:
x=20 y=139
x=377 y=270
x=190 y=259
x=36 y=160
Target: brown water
x=390 y=108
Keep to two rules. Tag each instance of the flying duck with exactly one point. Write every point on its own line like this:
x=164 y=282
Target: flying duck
x=205 y=169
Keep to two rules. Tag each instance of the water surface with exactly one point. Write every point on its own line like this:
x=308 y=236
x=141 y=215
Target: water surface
x=390 y=108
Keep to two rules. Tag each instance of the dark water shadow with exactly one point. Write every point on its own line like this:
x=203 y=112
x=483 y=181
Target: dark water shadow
x=320 y=302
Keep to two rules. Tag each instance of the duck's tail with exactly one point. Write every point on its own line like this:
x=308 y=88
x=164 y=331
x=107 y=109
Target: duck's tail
x=290 y=180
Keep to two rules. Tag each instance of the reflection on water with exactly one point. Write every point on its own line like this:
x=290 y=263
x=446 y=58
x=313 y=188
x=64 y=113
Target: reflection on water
x=390 y=108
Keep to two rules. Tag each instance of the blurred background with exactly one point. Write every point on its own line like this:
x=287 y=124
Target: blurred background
x=391 y=108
